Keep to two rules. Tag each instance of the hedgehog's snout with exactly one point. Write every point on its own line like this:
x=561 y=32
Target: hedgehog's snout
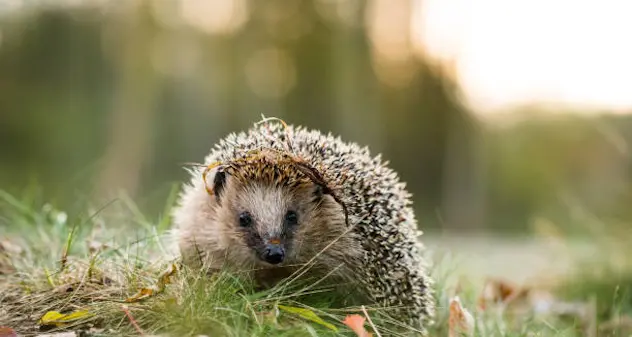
x=274 y=252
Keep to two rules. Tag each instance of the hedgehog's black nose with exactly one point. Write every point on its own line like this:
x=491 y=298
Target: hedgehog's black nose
x=274 y=254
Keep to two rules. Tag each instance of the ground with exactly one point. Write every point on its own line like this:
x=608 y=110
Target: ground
x=108 y=270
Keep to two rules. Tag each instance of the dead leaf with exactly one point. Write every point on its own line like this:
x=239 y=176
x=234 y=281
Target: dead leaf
x=55 y=318
x=355 y=322
x=5 y=331
x=499 y=292
x=165 y=277
x=461 y=322
x=141 y=294
x=309 y=315
x=526 y=301
x=163 y=280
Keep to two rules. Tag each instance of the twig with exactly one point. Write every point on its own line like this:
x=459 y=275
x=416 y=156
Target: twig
x=370 y=321
x=132 y=320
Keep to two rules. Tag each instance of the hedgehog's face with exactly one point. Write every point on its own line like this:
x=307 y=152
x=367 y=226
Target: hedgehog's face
x=267 y=223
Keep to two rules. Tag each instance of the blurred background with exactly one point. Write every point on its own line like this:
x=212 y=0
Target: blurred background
x=511 y=117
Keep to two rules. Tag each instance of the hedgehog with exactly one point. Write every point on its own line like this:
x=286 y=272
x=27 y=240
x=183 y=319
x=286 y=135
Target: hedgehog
x=274 y=198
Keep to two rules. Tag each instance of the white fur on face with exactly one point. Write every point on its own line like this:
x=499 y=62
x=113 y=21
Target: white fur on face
x=268 y=206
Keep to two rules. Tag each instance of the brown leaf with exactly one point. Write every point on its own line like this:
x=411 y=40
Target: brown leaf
x=165 y=277
x=461 y=322
x=499 y=292
x=525 y=301
x=5 y=331
x=356 y=323
x=163 y=280
x=141 y=294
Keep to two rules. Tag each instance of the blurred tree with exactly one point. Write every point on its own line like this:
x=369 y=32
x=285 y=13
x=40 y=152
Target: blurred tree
x=122 y=95
x=54 y=94
x=131 y=121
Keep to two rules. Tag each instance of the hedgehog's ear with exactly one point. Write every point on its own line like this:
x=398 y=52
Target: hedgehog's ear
x=219 y=181
x=319 y=191
x=218 y=184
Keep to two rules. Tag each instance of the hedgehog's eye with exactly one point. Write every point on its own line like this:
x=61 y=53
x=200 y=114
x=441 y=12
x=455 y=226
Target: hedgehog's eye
x=291 y=218
x=245 y=219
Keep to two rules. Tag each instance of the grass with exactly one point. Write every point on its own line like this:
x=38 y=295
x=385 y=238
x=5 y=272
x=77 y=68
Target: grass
x=90 y=263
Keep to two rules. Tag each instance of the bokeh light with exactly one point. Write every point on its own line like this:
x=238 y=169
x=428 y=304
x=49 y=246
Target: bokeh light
x=388 y=28
x=494 y=113
x=564 y=53
x=215 y=17
x=270 y=73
